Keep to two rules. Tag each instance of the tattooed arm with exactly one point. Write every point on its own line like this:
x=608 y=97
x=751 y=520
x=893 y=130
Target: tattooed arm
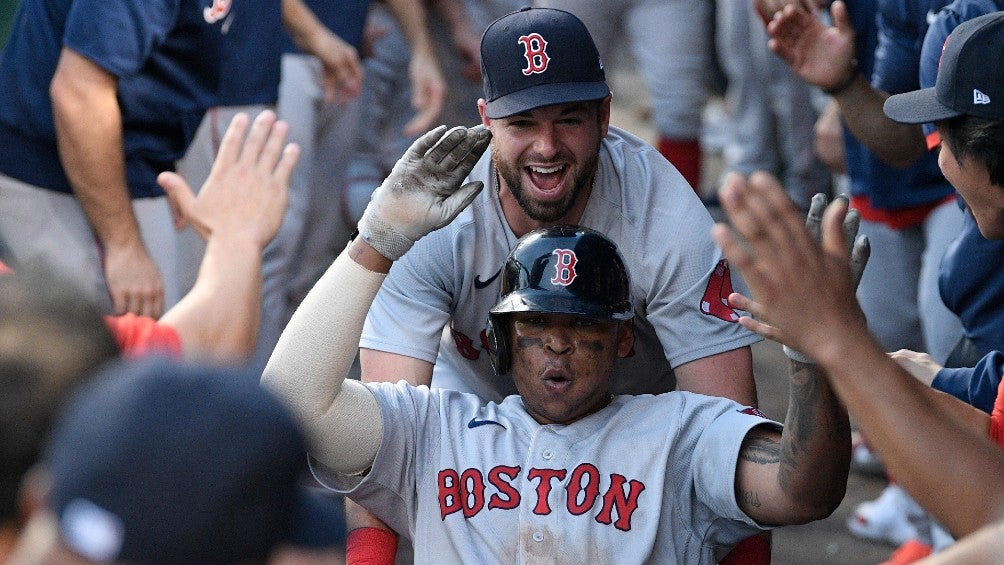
x=798 y=475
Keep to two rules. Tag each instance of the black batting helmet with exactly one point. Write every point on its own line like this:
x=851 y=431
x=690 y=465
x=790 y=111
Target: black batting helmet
x=562 y=270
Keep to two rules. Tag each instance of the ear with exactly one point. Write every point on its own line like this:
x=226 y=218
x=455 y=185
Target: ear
x=483 y=110
x=625 y=338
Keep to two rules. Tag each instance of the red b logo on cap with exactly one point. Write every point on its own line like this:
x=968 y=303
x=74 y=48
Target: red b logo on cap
x=534 y=50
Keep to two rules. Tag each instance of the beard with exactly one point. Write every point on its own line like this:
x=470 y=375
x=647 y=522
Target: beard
x=542 y=211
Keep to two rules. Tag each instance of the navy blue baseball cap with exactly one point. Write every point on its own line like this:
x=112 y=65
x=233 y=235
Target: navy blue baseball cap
x=970 y=77
x=537 y=57
x=160 y=462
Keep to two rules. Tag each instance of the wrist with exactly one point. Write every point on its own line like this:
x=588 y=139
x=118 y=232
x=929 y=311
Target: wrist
x=846 y=83
x=371 y=546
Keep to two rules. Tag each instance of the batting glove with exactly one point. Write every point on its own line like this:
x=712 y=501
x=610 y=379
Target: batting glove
x=859 y=249
x=423 y=192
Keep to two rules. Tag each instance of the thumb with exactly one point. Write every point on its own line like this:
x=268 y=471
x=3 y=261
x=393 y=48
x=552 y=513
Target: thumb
x=456 y=202
x=179 y=196
x=841 y=19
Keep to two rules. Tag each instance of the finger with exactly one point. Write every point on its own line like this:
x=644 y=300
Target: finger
x=449 y=149
x=841 y=18
x=737 y=252
x=763 y=330
x=179 y=196
x=256 y=138
x=230 y=145
x=859 y=258
x=815 y=215
x=852 y=222
x=169 y=183
x=834 y=241
x=483 y=139
x=424 y=143
x=284 y=170
x=456 y=202
x=120 y=302
x=273 y=149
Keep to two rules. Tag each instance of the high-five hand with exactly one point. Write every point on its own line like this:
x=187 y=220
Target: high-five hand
x=423 y=192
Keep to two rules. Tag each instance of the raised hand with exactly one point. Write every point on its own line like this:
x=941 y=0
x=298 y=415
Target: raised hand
x=423 y=191
x=247 y=189
x=802 y=283
x=819 y=54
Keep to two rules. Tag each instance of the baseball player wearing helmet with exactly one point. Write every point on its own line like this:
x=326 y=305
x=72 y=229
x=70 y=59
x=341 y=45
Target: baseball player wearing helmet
x=563 y=471
x=554 y=159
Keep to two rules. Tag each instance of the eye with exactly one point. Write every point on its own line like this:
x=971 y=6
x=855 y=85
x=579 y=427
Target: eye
x=586 y=323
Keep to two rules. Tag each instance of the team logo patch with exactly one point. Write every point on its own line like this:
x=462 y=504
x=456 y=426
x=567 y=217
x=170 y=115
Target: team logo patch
x=217 y=11
x=535 y=52
x=564 y=267
x=715 y=301
x=750 y=411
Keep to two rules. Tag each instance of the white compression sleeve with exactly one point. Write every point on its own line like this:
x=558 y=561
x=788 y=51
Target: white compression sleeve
x=308 y=366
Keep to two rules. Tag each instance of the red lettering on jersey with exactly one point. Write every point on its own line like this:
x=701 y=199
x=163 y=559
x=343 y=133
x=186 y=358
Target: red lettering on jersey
x=624 y=503
x=535 y=51
x=465 y=345
x=544 y=487
x=449 y=492
x=217 y=11
x=565 y=267
x=715 y=301
x=484 y=340
x=588 y=491
x=472 y=492
x=497 y=478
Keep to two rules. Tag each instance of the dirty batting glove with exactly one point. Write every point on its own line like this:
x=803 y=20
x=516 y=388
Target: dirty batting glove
x=859 y=250
x=423 y=191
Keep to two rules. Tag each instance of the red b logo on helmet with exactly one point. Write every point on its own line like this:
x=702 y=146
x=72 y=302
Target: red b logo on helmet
x=565 y=267
x=534 y=50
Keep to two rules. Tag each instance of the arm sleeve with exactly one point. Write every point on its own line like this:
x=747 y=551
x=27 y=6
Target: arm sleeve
x=139 y=28
x=308 y=367
x=978 y=385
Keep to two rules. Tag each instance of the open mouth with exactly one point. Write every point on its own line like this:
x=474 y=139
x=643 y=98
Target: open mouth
x=546 y=179
x=556 y=381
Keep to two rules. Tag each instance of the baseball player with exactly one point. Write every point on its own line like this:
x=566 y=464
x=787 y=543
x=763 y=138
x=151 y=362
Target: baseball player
x=673 y=48
x=565 y=471
x=555 y=159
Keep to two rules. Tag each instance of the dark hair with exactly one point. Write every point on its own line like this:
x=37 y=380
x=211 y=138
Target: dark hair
x=978 y=139
x=51 y=339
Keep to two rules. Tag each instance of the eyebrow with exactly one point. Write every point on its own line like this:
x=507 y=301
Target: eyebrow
x=571 y=108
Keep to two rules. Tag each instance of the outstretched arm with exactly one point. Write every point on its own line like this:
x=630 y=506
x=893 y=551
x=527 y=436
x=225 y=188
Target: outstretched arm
x=238 y=212
x=941 y=460
x=824 y=56
x=316 y=350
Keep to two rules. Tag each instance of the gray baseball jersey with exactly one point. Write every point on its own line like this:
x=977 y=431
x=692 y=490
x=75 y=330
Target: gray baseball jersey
x=679 y=278
x=646 y=479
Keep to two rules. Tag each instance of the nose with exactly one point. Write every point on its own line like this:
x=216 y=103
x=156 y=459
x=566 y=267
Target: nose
x=559 y=341
x=546 y=142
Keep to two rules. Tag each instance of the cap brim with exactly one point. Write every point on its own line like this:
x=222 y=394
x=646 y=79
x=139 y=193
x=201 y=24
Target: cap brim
x=546 y=95
x=917 y=107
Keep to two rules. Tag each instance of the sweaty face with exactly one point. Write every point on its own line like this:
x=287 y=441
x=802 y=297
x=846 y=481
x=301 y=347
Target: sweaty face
x=562 y=364
x=984 y=199
x=546 y=157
